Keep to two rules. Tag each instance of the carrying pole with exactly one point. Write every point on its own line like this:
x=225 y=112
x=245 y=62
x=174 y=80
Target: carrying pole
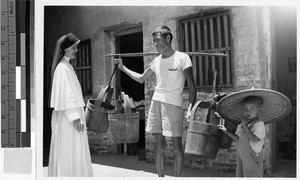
x=158 y=53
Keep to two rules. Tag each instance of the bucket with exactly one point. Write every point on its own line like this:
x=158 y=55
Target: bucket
x=96 y=118
x=124 y=128
x=96 y=110
x=203 y=139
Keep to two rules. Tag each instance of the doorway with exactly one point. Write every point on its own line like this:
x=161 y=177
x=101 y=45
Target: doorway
x=132 y=42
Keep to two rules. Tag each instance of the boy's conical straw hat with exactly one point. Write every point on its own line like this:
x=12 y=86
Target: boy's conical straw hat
x=276 y=106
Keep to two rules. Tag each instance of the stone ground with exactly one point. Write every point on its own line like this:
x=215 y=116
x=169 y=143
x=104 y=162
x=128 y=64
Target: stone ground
x=109 y=165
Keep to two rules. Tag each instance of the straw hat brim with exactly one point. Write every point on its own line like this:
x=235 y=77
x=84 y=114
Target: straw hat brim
x=276 y=106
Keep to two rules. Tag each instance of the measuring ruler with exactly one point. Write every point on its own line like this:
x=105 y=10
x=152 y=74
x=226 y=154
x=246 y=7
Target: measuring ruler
x=14 y=107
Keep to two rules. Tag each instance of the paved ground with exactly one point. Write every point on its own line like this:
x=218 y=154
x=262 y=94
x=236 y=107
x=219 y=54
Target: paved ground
x=122 y=165
x=129 y=166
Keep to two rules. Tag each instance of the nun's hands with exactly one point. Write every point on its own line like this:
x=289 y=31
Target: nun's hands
x=78 y=126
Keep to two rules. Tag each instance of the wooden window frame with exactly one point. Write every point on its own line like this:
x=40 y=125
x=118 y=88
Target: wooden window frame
x=83 y=67
x=219 y=24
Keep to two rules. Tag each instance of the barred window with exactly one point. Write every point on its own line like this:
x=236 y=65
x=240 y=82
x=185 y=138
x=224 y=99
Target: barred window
x=82 y=66
x=208 y=33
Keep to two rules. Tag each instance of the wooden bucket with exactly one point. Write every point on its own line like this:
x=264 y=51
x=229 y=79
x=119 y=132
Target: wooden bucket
x=124 y=128
x=97 y=118
x=203 y=139
x=96 y=111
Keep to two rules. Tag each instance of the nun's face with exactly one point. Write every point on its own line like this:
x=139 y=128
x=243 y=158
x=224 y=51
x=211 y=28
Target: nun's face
x=71 y=51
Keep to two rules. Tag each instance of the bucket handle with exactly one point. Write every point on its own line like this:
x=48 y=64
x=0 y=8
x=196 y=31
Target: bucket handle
x=107 y=89
x=201 y=104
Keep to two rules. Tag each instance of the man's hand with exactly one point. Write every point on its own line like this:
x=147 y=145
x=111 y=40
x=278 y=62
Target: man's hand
x=78 y=126
x=118 y=60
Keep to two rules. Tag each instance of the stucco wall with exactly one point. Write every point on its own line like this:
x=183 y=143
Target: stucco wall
x=250 y=63
x=286 y=47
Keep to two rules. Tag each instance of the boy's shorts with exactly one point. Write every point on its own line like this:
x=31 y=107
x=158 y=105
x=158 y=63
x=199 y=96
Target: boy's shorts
x=165 y=119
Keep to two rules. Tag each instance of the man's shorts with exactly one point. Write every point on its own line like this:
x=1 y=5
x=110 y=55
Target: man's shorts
x=166 y=119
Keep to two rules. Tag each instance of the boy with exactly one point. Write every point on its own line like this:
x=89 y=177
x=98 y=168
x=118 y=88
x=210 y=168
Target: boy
x=250 y=139
x=253 y=108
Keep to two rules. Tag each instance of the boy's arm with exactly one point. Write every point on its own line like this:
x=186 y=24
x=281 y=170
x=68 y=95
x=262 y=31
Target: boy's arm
x=141 y=78
x=230 y=134
x=252 y=137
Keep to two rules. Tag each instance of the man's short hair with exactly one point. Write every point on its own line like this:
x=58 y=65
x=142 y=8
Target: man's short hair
x=254 y=99
x=164 y=32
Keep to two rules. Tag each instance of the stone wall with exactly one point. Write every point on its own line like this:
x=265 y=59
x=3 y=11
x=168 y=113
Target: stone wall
x=249 y=59
x=249 y=71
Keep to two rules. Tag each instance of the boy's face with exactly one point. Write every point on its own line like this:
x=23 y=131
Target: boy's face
x=251 y=110
x=160 y=42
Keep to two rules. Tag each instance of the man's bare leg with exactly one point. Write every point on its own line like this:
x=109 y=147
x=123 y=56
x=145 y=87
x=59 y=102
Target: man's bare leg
x=160 y=155
x=179 y=156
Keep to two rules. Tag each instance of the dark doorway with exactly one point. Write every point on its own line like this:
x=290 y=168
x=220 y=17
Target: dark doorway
x=132 y=43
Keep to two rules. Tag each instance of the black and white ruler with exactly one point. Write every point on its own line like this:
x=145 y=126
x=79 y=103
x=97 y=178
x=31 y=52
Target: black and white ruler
x=15 y=74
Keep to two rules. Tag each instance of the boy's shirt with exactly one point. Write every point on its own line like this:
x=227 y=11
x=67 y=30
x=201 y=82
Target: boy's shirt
x=259 y=130
x=170 y=77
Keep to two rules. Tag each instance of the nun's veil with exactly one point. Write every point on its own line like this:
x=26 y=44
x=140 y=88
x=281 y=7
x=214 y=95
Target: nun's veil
x=62 y=44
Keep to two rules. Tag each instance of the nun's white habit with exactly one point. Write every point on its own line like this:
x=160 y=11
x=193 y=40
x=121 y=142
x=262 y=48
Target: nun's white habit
x=69 y=150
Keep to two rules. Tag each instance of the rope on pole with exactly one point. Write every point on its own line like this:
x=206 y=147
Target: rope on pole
x=157 y=53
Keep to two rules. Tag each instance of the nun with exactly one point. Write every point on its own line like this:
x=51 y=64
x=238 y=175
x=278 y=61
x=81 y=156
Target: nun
x=69 y=149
